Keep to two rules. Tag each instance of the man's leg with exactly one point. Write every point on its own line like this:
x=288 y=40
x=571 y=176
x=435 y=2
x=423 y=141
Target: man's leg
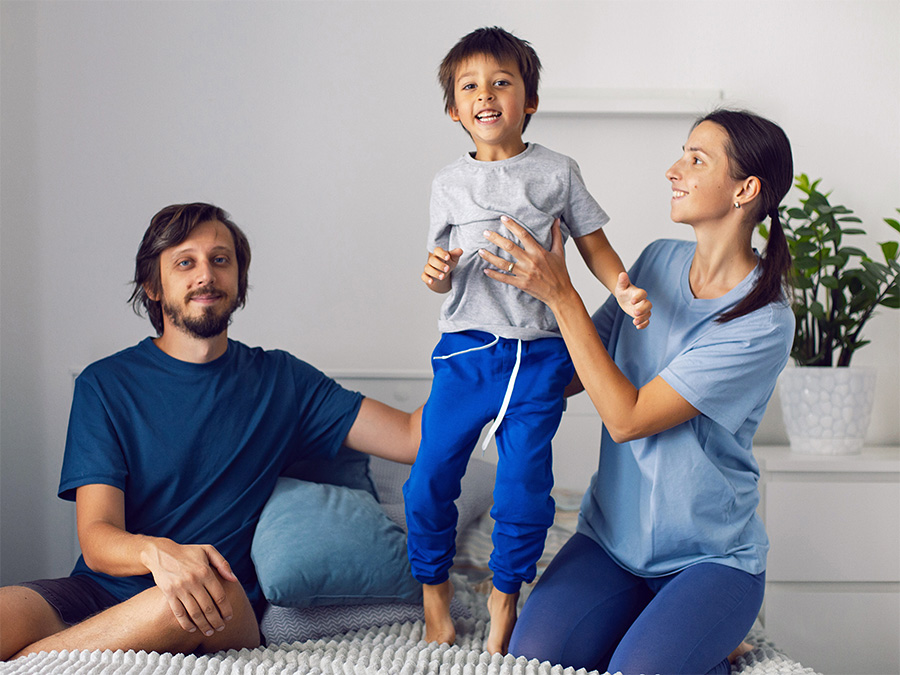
x=25 y=617
x=145 y=622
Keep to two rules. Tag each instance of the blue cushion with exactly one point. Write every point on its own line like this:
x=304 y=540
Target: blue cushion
x=348 y=468
x=329 y=545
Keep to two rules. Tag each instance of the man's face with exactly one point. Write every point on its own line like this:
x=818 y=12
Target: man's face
x=199 y=282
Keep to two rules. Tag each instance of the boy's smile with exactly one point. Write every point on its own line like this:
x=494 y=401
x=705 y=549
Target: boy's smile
x=490 y=104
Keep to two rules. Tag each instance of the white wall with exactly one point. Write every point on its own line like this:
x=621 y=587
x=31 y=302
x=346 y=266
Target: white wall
x=318 y=126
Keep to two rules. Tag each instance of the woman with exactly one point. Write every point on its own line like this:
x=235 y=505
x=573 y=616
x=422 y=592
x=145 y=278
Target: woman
x=666 y=571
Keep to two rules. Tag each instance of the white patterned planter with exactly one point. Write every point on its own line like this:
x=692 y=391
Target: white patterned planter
x=827 y=410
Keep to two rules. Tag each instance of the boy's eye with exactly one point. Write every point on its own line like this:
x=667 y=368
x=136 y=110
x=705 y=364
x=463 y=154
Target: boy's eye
x=466 y=87
x=501 y=83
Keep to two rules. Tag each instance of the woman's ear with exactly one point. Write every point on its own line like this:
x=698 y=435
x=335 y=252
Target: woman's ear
x=748 y=191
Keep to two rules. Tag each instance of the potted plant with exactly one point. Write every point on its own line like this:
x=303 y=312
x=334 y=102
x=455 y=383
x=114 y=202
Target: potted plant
x=837 y=288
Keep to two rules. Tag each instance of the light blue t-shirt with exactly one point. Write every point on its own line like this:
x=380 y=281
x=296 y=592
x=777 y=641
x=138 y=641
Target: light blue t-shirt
x=688 y=494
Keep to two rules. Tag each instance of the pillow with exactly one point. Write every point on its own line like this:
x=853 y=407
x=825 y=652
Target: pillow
x=348 y=468
x=329 y=545
x=286 y=625
x=474 y=500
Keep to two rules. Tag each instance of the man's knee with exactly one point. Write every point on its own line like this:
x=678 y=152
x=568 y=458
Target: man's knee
x=26 y=617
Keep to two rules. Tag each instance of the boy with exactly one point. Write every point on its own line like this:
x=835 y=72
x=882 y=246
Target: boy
x=501 y=354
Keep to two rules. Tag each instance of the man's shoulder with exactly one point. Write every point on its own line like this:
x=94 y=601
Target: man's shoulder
x=125 y=359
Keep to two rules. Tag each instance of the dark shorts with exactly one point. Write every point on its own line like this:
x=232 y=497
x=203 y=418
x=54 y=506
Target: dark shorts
x=74 y=598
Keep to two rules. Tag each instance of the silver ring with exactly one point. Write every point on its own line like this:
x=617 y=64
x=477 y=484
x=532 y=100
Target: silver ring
x=510 y=268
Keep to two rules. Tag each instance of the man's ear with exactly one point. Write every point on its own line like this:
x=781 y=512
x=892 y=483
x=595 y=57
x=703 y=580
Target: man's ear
x=153 y=295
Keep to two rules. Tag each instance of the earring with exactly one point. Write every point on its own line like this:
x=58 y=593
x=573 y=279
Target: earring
x=737 y=205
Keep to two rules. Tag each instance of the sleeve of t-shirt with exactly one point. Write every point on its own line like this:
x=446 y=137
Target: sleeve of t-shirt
x=93 y=453
x=326 y=411
x=439 y=217
x=582 y=214
x=730 y=369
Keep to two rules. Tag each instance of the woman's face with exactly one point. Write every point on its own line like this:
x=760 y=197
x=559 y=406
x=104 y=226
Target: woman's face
x=702 y=188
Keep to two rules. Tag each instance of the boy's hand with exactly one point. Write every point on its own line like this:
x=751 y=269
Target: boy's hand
x=438 y=268
x=633 y=301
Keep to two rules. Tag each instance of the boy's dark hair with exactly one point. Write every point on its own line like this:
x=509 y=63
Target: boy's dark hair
x=759 y=147
x=502 y=46
x=171 y=226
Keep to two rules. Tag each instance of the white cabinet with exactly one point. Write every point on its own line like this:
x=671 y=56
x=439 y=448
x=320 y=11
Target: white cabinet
x=833 y=574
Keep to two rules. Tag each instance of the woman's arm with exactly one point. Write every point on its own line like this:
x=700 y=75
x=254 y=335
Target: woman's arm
x=627 y=412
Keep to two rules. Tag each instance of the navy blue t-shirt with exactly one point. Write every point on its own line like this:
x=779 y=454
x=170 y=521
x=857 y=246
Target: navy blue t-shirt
x=197 y=448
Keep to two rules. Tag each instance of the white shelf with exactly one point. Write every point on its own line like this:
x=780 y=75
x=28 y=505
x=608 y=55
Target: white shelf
x=691 y=102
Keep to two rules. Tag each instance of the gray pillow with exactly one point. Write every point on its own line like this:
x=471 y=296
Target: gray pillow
x=474 y=500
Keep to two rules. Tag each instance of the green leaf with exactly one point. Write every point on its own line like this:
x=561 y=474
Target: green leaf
x=829 y=281
x=877 y=269
x=893 y=223
x=852 y=250
x=892 y=302
x=889 y=248
x=794 y=212
x=805 y=263
x=853 y=230
x=817 y=310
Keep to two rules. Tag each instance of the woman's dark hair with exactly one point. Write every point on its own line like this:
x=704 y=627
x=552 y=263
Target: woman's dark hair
x=171 y=226
x=758 y=147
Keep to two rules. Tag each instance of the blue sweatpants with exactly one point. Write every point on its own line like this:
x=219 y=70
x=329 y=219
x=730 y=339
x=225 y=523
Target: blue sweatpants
x=472 y=371
x=588 y=612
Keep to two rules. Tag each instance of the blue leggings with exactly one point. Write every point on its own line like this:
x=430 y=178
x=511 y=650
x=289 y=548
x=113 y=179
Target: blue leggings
x=588 y=612
x=472 y=373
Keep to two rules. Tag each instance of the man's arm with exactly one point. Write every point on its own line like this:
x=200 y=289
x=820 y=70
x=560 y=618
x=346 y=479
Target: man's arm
x=386 y=432
x=184 y=574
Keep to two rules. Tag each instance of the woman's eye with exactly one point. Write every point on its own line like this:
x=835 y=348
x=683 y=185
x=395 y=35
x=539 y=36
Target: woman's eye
x=184 y=263
x=220 y=260
x=696 y=160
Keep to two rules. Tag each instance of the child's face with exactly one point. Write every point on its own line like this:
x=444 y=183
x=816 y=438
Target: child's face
x=490 y=104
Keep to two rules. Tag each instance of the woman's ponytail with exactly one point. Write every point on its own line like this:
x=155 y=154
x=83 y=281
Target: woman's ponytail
x=759 y=147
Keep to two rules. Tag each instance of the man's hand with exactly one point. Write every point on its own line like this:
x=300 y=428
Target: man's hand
x=633 y=301
x=190 y=578
x=438 y=268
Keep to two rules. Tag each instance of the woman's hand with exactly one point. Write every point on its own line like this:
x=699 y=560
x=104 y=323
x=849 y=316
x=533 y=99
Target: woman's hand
x=534 y=269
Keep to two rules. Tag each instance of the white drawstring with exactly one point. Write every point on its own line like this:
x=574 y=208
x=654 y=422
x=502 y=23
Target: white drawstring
x=506 y=398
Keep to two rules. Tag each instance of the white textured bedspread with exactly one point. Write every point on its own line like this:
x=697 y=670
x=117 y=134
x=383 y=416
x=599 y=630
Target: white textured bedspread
x=395 y=649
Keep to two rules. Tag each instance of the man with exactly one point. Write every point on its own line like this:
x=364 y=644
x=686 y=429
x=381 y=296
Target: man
x=174 y=446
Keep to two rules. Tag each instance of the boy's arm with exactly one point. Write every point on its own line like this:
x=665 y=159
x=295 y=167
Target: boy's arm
x=438 y=268
x=184 y=574
x=605 y=264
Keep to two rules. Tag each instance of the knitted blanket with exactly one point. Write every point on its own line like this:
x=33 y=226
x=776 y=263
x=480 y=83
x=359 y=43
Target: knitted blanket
x=395 y=649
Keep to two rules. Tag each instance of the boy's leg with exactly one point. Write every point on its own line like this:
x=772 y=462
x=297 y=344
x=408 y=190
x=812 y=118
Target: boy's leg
x=693 y=623
x=523 y=508
x=25 y=618
x=145 y=622
x=458 y=406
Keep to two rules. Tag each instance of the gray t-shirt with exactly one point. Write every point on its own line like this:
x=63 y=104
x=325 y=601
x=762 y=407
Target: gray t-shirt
x=468 y=197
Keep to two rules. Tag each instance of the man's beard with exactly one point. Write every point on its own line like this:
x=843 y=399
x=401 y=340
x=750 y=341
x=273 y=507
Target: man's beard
x=207 y=325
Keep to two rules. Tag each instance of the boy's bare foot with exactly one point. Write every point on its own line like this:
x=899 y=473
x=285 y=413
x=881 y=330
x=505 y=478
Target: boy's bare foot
x=502 y=607
x=742 y=649
x=438 y=622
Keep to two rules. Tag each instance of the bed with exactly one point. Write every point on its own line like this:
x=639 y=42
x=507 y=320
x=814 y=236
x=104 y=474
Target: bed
x=386 y=636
